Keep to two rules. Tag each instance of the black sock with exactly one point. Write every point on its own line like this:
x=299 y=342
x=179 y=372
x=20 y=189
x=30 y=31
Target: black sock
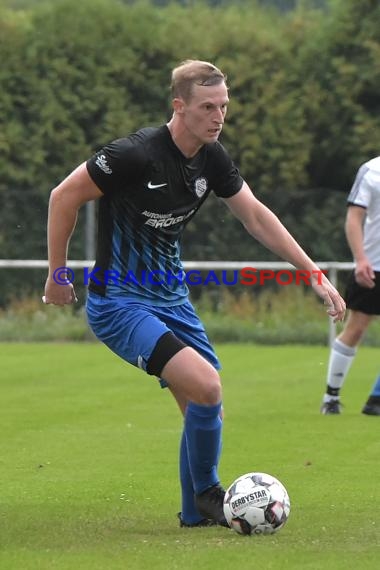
x=333 y=391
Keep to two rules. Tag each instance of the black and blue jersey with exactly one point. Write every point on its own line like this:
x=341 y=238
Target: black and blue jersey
x=150 y=192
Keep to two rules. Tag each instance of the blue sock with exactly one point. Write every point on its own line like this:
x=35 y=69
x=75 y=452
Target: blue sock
x=203 y=429
x=189 y=512
x=376 y=388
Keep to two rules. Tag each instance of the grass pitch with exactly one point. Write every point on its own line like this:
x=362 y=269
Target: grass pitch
x=88 y=462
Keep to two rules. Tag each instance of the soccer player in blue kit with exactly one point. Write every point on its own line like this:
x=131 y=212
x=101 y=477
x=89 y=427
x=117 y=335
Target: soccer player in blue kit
x=149 y=185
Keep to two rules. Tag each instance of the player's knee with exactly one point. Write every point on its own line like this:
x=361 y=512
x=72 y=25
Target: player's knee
x=210 y=392
x=212 y=396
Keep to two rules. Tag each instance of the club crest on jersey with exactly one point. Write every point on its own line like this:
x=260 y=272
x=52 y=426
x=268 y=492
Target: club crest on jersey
x=200 y=186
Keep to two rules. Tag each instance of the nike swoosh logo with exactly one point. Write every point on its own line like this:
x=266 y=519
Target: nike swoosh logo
x=153 y=186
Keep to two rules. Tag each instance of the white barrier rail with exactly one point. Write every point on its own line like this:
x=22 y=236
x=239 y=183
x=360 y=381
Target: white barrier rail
x=332 y=268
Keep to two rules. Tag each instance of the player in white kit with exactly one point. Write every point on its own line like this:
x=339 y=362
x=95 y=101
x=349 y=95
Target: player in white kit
x=363 y=288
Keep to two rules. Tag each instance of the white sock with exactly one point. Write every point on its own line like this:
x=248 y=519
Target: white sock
x=341 y=358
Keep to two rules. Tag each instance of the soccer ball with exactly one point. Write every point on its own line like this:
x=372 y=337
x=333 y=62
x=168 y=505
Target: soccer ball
x=256 y=503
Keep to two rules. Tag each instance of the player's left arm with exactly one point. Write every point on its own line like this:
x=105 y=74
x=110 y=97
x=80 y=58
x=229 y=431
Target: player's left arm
x=264 y=225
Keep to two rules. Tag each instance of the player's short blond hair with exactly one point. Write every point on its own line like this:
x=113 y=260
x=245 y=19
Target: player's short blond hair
x=194 y=72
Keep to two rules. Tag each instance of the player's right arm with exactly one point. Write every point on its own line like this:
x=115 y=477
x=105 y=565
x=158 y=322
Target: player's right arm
x=64 y=204
x=364 y=273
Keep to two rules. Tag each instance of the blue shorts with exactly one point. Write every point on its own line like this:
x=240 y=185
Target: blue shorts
x=131 y=329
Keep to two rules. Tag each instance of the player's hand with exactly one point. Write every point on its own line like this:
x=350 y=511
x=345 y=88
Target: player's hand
x=336 y=307
x=364 y=274
x=59 y=294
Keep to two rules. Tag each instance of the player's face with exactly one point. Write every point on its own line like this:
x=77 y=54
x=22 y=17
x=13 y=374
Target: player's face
x=204 y=113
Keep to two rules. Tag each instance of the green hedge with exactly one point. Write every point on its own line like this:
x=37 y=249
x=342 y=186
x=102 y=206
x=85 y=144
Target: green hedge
x=290 y=316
